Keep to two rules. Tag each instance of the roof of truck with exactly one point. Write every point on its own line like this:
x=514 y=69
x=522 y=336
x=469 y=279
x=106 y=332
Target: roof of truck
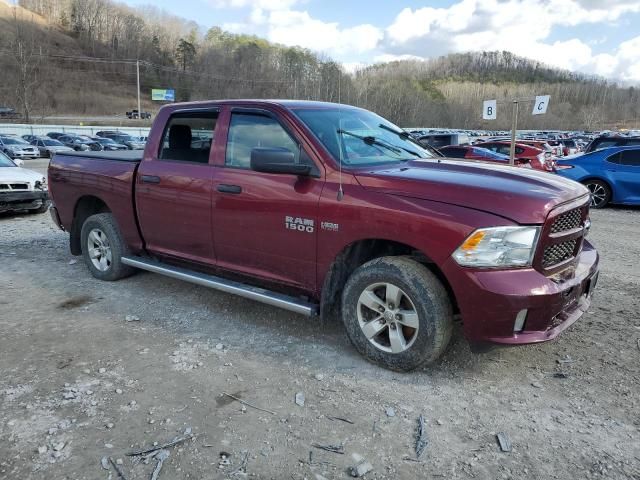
x=282 y=102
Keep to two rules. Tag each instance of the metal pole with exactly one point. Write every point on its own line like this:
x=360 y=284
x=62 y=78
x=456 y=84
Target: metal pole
x=514 y=126
x=138 y=79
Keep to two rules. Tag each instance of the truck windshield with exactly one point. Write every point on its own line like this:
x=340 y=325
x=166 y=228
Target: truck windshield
x=359 y=137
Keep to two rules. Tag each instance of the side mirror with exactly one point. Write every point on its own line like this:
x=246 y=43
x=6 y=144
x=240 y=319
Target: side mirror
x=277 y=160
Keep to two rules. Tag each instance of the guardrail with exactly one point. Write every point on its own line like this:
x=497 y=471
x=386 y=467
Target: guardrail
x=28 y=129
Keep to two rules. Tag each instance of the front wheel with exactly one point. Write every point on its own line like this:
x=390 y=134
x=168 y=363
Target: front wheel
x=103 y=248
x=397 y=313
x=41 y=209
x=600 y=193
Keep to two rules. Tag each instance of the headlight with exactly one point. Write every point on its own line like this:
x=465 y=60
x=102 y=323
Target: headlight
x=41 y=184
x=498 y=247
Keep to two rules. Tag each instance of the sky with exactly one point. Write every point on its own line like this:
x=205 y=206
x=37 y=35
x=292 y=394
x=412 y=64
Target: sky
x=600 y=37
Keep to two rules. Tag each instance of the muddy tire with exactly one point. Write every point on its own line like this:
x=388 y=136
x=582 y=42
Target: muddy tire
x=397 y=313
x=103 y=248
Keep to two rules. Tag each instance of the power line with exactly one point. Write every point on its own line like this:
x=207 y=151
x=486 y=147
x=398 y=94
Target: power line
x=102 y=60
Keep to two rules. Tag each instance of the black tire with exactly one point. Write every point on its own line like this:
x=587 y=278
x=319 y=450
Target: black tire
x=115 y=269
x=600 y=193
x=41 y=209
x=427 y=296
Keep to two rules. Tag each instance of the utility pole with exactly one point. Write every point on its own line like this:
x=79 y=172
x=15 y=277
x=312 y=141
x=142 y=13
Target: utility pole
x=514 y=126
x=138 y=81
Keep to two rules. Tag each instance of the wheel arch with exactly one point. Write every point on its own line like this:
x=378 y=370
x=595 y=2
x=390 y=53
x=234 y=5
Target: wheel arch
x=602 y=179
x=360 y=252
x=86 y=206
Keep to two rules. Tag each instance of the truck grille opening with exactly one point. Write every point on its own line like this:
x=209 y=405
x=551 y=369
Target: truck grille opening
x=567 y=221
x=558 y=253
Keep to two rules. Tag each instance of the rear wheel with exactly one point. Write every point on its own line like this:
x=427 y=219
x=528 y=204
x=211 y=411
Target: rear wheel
x=600 y=193
x=103 y=248
x=397 y=313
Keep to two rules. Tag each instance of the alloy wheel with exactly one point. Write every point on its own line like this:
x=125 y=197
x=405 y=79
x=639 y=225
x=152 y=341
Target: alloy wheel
x=388 y=317
x=598 y=194
x=99 y=250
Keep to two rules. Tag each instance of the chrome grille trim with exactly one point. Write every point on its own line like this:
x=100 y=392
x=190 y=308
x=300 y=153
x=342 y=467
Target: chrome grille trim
x=567 y=221
x=558 y=253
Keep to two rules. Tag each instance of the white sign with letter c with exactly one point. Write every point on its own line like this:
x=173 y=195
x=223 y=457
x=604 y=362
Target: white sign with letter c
x=540 y=105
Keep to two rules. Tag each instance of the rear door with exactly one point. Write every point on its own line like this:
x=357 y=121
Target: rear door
x=173 y=189
x=624 y=168
x=265 y=224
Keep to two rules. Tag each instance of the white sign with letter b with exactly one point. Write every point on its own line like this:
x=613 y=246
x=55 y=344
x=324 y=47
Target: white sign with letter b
x=489 y=110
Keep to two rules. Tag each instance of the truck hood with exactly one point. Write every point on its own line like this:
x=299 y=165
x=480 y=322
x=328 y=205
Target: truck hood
x=519 y=194
x=18 y=175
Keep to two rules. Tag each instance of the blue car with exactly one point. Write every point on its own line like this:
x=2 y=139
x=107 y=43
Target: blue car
x=611 y=174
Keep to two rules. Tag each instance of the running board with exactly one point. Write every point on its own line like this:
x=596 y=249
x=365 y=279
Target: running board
x=253 y=293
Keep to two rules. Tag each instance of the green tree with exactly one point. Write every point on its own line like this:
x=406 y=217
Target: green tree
x=185 y=53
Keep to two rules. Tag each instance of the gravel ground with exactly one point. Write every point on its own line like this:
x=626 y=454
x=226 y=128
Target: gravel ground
x=93 y=369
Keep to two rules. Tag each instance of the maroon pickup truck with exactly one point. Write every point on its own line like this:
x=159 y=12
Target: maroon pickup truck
x=331 y=210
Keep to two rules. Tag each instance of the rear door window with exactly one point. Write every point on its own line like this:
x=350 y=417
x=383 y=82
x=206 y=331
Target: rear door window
x=615 y=158
x=188 y=137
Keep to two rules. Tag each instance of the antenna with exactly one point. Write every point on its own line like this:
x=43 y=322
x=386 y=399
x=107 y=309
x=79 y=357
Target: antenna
x=340 y=147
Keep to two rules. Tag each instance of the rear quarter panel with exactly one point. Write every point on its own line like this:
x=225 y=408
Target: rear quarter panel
x=72 y=178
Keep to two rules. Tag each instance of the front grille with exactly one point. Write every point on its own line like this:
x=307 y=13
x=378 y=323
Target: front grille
x=567 y=221
x=14 y=186
x=558 y=253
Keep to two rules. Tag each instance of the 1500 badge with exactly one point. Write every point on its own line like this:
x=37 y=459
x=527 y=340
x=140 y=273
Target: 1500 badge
x=299 y=224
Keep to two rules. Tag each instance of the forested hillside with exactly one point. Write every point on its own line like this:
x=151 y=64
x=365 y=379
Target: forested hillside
x=79 y=56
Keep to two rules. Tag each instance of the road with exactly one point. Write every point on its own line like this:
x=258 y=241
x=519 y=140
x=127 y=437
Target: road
x=81 y=382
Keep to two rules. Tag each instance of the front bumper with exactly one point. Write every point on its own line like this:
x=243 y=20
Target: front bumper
x=490 y=300
x=22 y=155
x=23 y=200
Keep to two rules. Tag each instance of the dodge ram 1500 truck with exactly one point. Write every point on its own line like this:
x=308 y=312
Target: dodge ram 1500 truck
x=330 y=210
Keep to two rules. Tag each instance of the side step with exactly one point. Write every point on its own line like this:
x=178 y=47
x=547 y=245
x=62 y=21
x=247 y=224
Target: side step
x=253 y=293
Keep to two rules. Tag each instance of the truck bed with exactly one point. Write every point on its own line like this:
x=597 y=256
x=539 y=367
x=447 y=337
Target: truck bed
x=120 y=156
x=79 y=178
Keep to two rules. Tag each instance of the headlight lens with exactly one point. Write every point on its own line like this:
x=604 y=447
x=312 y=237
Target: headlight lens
x=41 y=184
x=498 y=247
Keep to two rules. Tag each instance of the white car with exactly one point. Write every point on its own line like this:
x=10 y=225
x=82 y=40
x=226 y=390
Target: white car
x=21 y=189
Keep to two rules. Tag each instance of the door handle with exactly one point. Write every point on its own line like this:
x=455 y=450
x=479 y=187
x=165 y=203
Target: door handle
x=230 y=188
x=150 y=179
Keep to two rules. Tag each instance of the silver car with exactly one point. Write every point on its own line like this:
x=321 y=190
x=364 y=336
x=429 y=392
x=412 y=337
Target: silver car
x=15 y=147
x=49 y=146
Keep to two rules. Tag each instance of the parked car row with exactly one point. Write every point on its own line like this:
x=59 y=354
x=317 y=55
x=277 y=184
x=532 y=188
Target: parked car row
x=35 y=146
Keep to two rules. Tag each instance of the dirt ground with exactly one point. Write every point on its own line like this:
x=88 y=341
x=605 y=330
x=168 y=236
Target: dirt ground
x=80 y=382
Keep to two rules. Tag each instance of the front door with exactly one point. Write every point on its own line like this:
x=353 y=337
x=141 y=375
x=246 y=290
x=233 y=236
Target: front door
x=265 y=224
x=173 y=189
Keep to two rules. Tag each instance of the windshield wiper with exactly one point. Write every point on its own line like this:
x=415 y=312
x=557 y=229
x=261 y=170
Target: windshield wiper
x=369 y=140
x=405 y=136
